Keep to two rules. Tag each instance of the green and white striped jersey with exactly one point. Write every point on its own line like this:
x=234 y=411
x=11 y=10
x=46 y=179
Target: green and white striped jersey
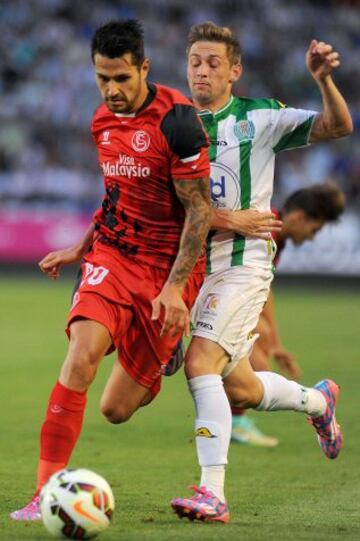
x=245 y=136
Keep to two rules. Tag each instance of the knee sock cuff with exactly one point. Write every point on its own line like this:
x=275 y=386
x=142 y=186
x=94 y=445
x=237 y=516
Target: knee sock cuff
x=202 y=382
x=264 y=403
x=67 y=398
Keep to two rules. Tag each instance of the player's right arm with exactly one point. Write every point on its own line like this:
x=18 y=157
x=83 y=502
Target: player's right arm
x=52 y=262
x=248 y=222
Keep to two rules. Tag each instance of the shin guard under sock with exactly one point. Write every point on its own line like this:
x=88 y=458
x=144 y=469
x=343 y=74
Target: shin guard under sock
x=60 y=430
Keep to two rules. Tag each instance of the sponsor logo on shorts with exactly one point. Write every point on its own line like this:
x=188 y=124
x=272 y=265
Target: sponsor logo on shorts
x=140 y=141
x=204 y=432
x=212 y=302
x=204 y=325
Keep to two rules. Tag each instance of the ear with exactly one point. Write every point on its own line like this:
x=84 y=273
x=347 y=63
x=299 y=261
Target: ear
x=236 y=72
x=145 y=67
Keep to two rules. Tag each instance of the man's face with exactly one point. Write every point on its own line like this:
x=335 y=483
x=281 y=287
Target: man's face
x=210 y=73
x=122 y=84
x=302 y=227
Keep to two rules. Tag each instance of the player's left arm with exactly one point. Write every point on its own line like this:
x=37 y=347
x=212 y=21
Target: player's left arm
x=195 y=197
x=196 y=200
x=335 y=120
x=187 y=145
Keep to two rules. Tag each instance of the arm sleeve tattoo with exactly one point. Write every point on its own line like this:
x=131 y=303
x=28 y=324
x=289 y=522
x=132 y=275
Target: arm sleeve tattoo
x=195 y=197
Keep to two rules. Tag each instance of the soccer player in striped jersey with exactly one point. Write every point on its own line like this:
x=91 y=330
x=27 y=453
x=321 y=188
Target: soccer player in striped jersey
x=245 y=136
x=303 y=215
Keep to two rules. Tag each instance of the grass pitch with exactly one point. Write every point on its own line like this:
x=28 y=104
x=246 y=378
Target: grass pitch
x=291 y=492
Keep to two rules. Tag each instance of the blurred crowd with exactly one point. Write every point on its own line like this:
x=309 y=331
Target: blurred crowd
x=47 y=158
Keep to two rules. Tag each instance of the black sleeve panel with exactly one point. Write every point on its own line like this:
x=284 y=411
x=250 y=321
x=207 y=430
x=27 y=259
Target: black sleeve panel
x=183 y=131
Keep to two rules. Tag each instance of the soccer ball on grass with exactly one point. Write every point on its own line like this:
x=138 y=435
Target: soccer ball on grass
x=76 y=504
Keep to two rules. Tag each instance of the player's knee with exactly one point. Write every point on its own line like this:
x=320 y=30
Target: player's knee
x=115 y=414
x=204 y=358
x=79 y=368
x=196 y=367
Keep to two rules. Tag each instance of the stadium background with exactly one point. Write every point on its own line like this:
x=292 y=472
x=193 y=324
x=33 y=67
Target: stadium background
x=49 y=185
x=47 y=160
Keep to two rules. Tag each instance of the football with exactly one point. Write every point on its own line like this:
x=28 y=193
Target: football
x=76 y=504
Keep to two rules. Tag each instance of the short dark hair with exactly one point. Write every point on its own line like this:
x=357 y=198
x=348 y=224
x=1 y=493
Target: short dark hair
x=117 y=38
x=319 y=202
x=209 y=31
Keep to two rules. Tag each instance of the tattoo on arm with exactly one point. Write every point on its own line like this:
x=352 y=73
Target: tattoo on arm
x=319 y=131
x=195 y=197
x=335 y=120
x=323 y=131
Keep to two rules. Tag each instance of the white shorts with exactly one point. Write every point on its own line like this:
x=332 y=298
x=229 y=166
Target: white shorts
x=228 y=308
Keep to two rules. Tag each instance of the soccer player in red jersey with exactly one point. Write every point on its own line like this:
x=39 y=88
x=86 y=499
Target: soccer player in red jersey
x=142 y=273
x=303 y=215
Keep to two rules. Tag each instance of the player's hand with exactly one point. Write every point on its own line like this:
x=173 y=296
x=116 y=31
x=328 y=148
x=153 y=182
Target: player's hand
x=321 y=59
x=286 y=362
x=253 y=223
x=176 y=314
x=52 y=262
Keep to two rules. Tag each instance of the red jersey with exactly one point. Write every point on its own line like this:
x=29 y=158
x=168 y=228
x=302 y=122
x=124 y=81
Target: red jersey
x=280 y=243
x=140 y=154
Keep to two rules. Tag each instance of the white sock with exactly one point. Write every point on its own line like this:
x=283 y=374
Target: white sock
x=283 y=394
x=213 y=478
x=212 y=430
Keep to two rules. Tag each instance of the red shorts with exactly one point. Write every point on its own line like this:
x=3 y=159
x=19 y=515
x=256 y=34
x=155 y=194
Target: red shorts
x=117 y=292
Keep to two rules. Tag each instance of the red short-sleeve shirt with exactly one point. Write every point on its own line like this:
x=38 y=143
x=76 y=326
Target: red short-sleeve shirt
x=141 y=155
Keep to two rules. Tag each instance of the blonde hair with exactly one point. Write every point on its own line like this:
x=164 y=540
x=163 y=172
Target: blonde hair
x=209 y=31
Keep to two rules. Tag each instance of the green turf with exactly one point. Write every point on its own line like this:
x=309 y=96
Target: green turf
x=289 y=493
